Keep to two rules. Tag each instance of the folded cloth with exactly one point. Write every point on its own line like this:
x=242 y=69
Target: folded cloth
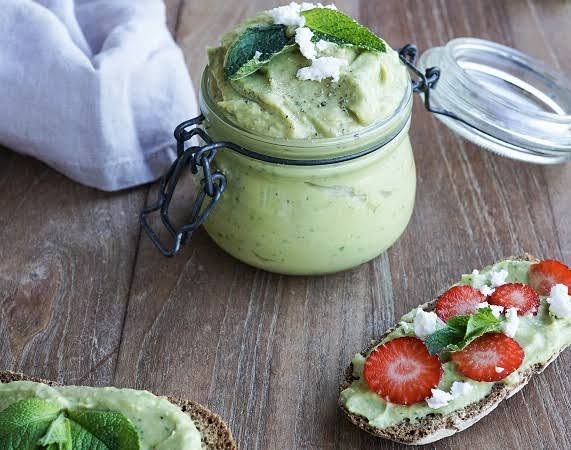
x=94 y=88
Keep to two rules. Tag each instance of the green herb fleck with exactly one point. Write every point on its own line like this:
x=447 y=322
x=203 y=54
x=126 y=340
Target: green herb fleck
x=461 y=330
x=334 y=26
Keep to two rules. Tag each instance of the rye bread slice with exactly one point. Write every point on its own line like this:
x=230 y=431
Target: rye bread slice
x=435 y=426
x=214 y=432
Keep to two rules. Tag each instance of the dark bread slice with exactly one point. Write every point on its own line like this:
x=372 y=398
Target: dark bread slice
x=214 y=432
x=436 y=426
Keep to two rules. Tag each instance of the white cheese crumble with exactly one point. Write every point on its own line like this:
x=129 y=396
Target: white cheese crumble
x=498 y=278
x=257 y=55
x=426 y=323
x=290 y=15
x=499 y=369
x=303 y=37
x=497 y=310
x=322 y=45
x=324 y=67
x=487 y=290
x=560 y=301
x=478 y=281
x=511 y=324
x=495 y=278
x=321 y=68
x=460 y=388
x=439 y=399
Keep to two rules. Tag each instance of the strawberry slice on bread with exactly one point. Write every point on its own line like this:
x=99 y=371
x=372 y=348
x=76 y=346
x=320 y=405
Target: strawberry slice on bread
x=546 y=274
x=458 y=301
x=515 y=295
x=449 y=362
x=491 y=357
x=402 y=371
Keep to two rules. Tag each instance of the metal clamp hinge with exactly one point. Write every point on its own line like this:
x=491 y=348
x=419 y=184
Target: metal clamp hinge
x=212 y=185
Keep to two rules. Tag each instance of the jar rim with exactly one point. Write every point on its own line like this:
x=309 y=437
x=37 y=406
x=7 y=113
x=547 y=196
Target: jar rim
x=208 y=107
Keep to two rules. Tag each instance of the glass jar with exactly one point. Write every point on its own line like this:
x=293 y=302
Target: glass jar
x=314 y=215
x=313 y=206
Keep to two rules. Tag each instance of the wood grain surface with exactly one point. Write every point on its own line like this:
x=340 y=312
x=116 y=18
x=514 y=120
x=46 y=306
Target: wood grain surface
x=85 y=298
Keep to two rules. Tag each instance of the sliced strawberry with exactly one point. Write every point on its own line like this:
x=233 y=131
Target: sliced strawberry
x=491 y=357
x=402 y=371
x=515 y=295
x=458 y=301
x=546 y=274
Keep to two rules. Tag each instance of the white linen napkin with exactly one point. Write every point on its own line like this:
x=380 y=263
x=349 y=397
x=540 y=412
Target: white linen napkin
x=94 y=88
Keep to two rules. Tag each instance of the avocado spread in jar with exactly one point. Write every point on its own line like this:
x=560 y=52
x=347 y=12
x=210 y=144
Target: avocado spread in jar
x=279 y=101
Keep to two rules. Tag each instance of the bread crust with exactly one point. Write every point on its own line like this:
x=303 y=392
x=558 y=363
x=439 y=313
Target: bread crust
x=213 y=430
x=436 y=426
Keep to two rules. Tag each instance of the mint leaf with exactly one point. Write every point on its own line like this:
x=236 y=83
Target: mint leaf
x=58 y=436
x=35 y=424
x=334 y=26
x=268 y=40
x=461 y=330
x=102 y=430
x=440 y=339
x=24 y=422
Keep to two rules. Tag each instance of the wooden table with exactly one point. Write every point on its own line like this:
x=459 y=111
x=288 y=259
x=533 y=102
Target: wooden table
x=85 y=298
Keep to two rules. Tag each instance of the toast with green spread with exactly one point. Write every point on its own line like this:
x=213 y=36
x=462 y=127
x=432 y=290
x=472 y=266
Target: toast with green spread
x=214 y=434
x=451 y=361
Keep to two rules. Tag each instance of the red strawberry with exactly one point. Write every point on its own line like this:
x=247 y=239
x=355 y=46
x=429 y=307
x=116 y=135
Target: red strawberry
x=491 y=357
x=402 y=371
x=515 y=295
x=546 y=274
x=458 y=301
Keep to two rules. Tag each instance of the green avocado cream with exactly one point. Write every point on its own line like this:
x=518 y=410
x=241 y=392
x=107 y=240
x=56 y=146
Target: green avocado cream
x=159 y=424
x=541 y=336
x=274 y=102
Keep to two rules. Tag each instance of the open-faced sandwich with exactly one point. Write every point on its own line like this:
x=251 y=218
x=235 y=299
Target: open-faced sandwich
x=37 y=414
x=450 y=362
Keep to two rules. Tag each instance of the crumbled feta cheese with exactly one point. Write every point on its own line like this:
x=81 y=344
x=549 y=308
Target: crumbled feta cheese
x=511 y=324
x=478 y=280
x=303 y=37
x=499 y=369
x=257 y=55
x=460 y=388
x=498 y=278
x=439 y=399
x=324 y=67
x=426 y=323
x=291 y=14
x=560 y=301
x=497 y=310
x=288 y=15
x=487 y=290
x=307 y=5
x=322 y=45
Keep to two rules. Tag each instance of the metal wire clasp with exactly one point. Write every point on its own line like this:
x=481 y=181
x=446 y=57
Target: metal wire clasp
x=426 y=81
x=212 y=185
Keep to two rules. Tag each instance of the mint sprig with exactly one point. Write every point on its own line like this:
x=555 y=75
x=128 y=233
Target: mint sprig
x=334 y=26
x=461 y=330
x=34 y=424
x=267 y=40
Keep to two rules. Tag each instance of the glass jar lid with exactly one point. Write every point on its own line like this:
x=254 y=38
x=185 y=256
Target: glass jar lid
x=501 y=99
